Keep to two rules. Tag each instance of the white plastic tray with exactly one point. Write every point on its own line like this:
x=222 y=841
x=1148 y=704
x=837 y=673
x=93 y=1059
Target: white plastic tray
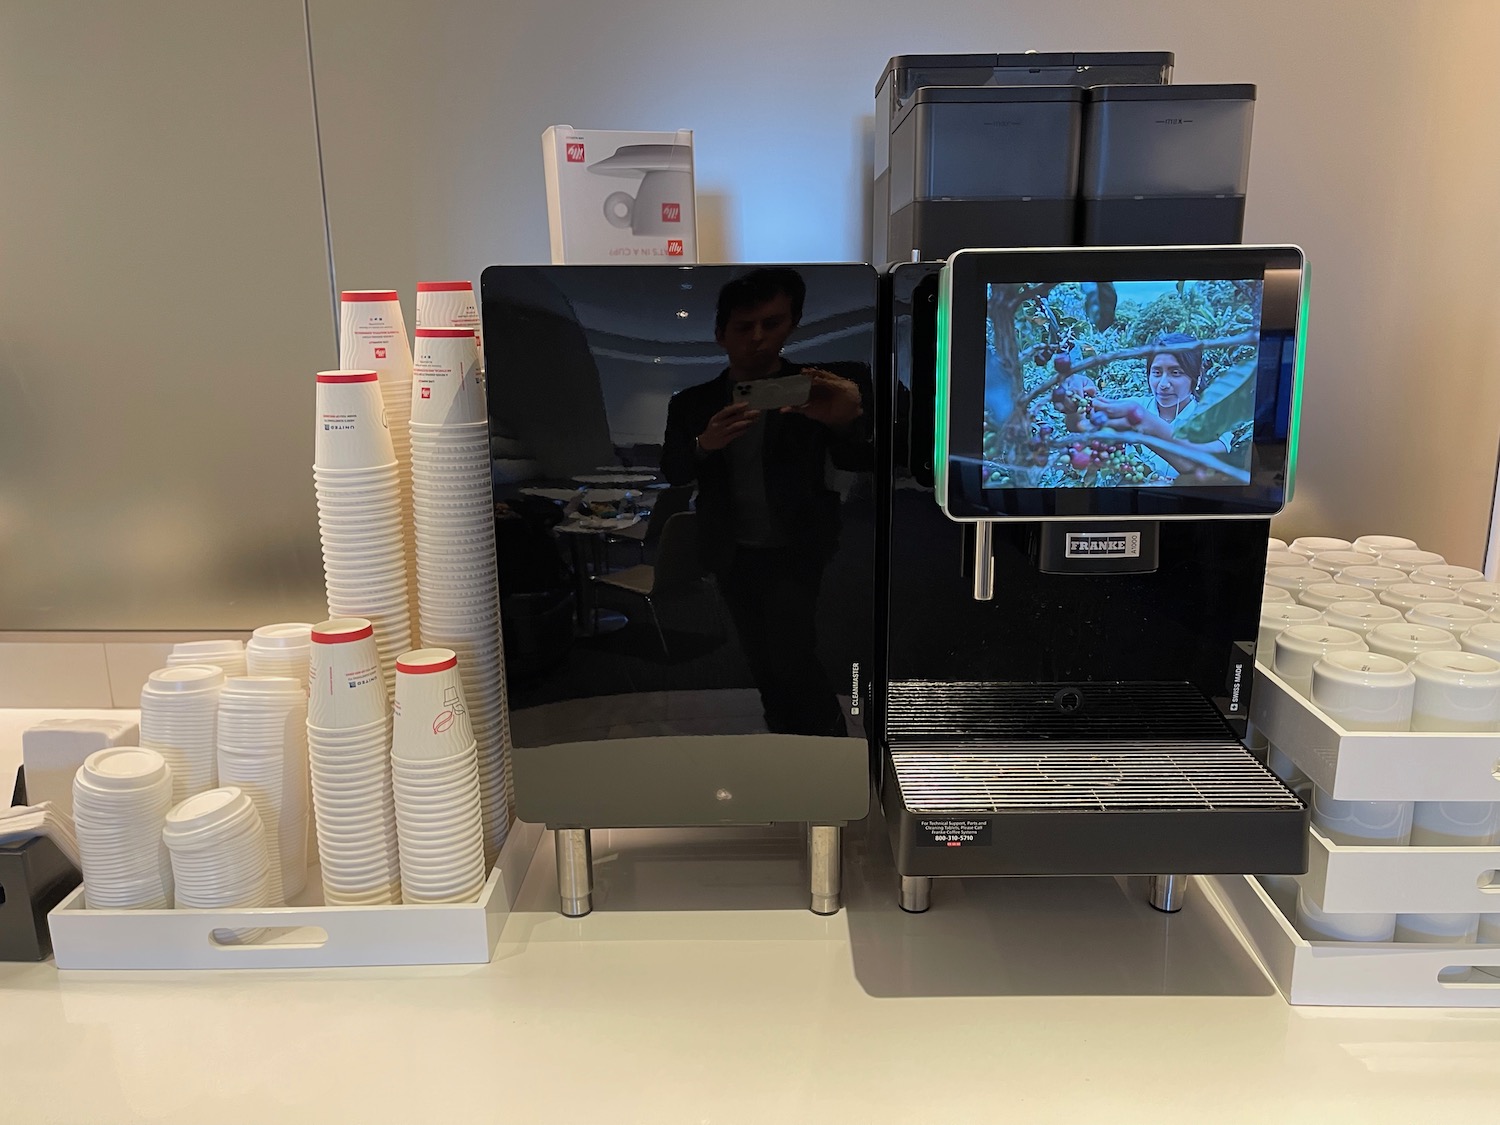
x=1374 y=765
x=1361 y=880
x=303 y=936
x=1358 y=974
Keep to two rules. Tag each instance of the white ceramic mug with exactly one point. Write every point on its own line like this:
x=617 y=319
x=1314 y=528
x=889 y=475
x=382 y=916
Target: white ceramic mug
x=1455 y=617
x=1405 y=641
x=1315 y=925
x=1361 y=617
x=1362 y=824
x=1437 y=929
x=1483 y=638
x=1321 y=595
x=1274 y=618
x=1371 y=577
x=1311 y=545
x=1364 y=690
x=1455 y=824
x=1457 y=691
x=1269 y=594
x=1299 y=647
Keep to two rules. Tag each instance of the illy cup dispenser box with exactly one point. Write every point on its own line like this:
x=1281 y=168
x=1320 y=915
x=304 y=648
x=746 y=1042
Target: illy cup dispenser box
x=917 y=159
x=1166 y=165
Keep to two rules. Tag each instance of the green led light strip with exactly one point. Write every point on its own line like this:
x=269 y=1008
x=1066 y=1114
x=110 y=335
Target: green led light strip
x=1299 y=363
x=944 y=386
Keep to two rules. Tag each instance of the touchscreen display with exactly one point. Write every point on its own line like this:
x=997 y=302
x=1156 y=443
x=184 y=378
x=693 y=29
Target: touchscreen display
x=1123 y=383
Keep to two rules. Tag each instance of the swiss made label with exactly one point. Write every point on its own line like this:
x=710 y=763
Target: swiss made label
x=1103 y=545
x=953 y=833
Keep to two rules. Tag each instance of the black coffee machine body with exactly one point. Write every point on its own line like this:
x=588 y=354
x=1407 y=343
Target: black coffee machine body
x=1067 y=663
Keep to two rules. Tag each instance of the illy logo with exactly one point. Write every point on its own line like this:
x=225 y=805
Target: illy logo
x=1110 y=545
x=671 y=212
x=426 y=392
x=674 y=247
x=575 y=152
x=379 y=353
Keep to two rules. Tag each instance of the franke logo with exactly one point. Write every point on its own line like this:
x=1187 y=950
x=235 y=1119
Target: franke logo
x=575 y=152
x=1115 y=545
x=671 y=212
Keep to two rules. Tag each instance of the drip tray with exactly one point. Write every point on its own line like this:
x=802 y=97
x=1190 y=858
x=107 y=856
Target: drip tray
x=1147 y=782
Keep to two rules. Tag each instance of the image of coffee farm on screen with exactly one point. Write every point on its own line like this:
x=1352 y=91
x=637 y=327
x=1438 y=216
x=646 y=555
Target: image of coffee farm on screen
x=1069 y=399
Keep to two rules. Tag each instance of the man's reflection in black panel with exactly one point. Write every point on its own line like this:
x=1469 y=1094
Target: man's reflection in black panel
x=758 y=441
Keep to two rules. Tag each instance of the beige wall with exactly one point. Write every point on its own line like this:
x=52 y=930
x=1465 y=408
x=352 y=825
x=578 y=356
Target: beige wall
x=161 y=232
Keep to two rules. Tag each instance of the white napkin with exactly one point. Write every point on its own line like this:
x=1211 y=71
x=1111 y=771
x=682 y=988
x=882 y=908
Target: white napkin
x=20 y=823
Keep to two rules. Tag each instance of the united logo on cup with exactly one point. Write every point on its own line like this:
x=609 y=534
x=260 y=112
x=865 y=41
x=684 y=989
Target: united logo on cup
x=674 y=247
x=575 y=152
x=671 y=212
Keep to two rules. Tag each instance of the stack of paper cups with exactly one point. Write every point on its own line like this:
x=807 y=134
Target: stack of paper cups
x=227 y=655
x=372 y=337
x=435 y=777
x=263 y=751
x=359 y=512
x=349 y=754
x=179 y=720
x=450 y=304
x=280 y=650
x=456 y=576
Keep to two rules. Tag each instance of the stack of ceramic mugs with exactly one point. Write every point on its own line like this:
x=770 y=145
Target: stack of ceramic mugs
x=435 y=777
x=455 y=526
x=121 y=797
x=372 y=337
x=263 y=752
x=359 y=512
x=1382 y=636
x=179 y=720
x=349 y=752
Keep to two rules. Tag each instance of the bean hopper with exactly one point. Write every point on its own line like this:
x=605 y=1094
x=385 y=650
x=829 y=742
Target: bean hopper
x=1071 y=564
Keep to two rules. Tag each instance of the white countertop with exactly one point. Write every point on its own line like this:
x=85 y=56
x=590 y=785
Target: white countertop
x=701 y=991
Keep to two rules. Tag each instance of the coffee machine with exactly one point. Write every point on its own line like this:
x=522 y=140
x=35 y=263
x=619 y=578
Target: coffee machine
x=1069 y=562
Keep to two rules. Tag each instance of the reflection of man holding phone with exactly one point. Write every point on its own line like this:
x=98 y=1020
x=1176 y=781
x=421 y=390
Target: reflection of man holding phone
x=758 y=440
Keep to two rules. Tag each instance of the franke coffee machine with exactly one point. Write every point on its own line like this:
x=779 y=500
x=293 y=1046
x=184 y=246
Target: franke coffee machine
x=1080 y=451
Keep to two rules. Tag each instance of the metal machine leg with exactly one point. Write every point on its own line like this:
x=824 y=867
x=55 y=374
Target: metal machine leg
x=823 y=855
x=575 y=871
x=1168 y=891
x=916 y=893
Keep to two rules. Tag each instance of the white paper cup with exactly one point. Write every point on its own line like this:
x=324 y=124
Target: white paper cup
x=1299 y=647
x=449 y=304
x=1294 y=578
x=352 y=431
x=446 y=386
x=1310 y=545
x=1404 y=641
x=431 y=720
x=1375 y=578
x=1335 y=561
x=1451 y=577
x=1455 y=617
x=1315 y=925
x=372 y=334
x=1363 y=690
x=1407 y=596
x=346 y=685
x=1377 y=544
x=1321 y=595
x=1456 y=691
x=1483 y=638
x=1362 y=824
x=1408 y=559
x=1437 y=929
x=1361 y=617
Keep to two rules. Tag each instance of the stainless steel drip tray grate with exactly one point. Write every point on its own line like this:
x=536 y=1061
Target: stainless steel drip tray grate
x=1062 y=777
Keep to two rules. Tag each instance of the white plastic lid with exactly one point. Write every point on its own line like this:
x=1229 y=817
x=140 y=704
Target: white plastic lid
x=124 y=767
x=208 y=648
x=262 y=685
x=206 y=811
x=185 y=678
x=289 y=634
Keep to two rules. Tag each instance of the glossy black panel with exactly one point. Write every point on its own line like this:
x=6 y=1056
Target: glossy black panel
x=650 y=587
